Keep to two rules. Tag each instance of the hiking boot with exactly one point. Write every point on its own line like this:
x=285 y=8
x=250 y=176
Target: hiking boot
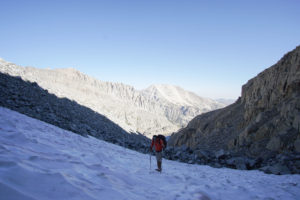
x=158 y=166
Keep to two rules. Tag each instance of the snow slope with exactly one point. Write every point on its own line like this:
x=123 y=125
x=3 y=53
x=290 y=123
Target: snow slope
x=40 y=161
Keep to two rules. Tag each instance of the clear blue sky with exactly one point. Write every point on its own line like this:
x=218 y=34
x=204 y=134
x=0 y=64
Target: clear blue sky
x=209 y=47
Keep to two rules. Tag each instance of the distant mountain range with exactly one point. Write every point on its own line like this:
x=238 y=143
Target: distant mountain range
x=158 y=109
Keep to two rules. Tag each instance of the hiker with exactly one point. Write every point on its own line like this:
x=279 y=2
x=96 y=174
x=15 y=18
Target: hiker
x=159 y=146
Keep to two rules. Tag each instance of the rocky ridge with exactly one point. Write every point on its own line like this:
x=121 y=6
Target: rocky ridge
x=149 y=111
x=262 y=125
x=30 y=99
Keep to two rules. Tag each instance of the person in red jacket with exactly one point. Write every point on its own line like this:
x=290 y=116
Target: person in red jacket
x=159 y=146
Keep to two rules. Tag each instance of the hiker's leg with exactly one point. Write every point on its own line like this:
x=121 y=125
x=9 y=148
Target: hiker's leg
x=159 y=159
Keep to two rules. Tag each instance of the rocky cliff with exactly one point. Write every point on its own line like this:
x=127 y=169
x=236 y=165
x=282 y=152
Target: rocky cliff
x=263 y=122
x=149 y=112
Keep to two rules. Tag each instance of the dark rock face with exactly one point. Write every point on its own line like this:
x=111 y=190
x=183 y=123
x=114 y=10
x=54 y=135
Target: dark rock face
x=276 y=164
x=30 y=99
x=264 y=121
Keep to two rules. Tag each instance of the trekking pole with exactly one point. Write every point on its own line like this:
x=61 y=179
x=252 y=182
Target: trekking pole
x=150 y=161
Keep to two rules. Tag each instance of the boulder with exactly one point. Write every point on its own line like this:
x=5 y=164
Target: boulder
x=297 y=145
x=202 y=154
x=274 y=144
x=297 y=165
x=237 y=163
x=252 y=163
x=178 y=153
x=191 y=162
x=220 y=154
x=277 y=169
x=216 y=165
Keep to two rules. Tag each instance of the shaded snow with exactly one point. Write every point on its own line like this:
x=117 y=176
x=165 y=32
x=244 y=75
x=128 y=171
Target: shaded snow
x=40 y=161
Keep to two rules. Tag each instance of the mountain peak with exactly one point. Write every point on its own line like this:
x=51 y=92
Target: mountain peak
x=160 y=108
x=179 y=96
x=170 y=93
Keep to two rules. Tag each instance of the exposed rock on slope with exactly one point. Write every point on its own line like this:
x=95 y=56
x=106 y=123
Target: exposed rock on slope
x=148 y=112
x=263 y=122
x=31 y=100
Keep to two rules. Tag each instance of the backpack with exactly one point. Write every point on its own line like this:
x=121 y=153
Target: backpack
x=163 y=138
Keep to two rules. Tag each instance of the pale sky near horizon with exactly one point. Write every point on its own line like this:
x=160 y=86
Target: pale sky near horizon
x=209 y=47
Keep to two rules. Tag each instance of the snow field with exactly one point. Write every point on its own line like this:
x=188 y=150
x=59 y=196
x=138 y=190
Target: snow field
x=40 y=161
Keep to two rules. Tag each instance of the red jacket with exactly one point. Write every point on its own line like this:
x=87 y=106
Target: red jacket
x=158 y=143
